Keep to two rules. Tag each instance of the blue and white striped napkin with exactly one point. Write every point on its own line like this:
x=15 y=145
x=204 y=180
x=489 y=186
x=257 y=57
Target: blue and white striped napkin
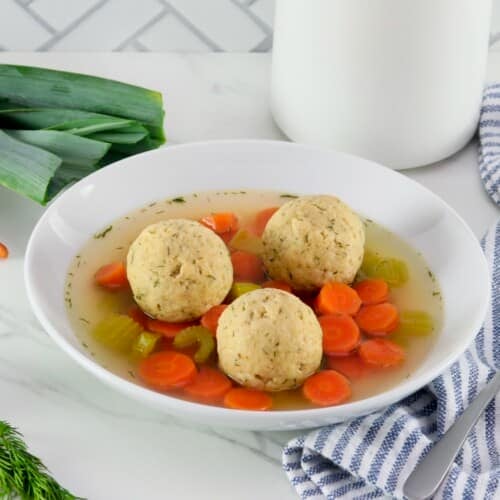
x=372 y=456
x=489 y=138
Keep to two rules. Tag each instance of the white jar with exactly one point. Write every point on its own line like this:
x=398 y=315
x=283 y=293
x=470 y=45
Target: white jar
x=396 y=81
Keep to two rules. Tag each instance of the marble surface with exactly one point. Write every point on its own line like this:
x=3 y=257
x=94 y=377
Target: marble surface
x=98 y=443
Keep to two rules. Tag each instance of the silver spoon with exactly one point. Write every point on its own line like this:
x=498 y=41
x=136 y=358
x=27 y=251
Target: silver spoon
x=427 y=477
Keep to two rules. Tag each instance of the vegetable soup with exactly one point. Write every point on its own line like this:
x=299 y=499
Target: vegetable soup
x=276 y=312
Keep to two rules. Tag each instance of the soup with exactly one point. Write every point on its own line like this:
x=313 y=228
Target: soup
x=413 y=293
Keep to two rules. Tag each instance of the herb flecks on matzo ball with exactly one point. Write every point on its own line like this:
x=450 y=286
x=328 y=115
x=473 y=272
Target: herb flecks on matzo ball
x=313 y=240
x=178 y=269
x=270 y=340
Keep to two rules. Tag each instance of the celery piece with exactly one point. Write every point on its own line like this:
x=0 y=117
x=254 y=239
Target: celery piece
x=415 y=323
x=239 y=288
x=117 y=332
x=196 y=334
x=246 y=241
x=393 y=271
x=145 y=344
x=400 y=338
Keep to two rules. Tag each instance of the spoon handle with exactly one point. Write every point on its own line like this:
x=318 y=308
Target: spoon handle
x=424 y=481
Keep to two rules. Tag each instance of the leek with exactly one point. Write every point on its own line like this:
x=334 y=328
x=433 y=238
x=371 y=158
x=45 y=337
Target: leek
x=43 y=148
x=70 y=148
x=25 y=168
x=38 y=87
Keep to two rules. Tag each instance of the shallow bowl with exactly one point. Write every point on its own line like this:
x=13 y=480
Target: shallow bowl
x=391 y=199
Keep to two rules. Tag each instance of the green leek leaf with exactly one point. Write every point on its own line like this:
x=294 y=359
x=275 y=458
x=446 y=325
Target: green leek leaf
x=70 y=148
x=26 y=169
x=130 y=134
x=38 y=87
x=73 y=120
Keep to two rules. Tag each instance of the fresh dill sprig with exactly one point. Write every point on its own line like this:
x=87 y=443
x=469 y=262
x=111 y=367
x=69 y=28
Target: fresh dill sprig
x=23 y=475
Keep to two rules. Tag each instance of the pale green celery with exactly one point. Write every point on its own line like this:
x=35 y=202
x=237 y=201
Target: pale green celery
x=239 y=288
x=196 y=335
x=246 y=241
x=117 y=332
x=145 y=344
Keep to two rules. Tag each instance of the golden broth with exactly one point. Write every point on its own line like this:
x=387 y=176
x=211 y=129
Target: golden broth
x=88 y=304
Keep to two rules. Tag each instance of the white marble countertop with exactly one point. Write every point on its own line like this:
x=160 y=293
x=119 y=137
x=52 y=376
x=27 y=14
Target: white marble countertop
x=100 y=444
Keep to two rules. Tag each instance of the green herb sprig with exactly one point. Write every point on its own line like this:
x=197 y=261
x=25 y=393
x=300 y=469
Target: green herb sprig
x=23 y=475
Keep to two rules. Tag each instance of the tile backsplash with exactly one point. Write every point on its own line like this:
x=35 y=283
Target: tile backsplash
x=145 y=25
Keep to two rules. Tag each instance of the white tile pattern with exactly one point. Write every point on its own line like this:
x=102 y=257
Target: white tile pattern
x=145 y=25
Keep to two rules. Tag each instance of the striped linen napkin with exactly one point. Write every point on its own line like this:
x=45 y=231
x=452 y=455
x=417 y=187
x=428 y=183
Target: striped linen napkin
x=372 y=456
x=489 y=138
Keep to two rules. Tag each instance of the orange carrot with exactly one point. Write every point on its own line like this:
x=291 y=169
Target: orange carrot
x=280 y=285
x=112 y=276
x=165 y=328
x=353 y=367
x=209 y=385
x=210 y=319
x=381 y=352
x=340 y=334
x=337 y=298
x=221 y=222
x=326 y=388
x=372 y=291
x=378 y=319
x=227 y=237
x=240 y=398
x=247 y=266
x=167 y=370
x=261 y=220
x=4 y=251
x=138 y=316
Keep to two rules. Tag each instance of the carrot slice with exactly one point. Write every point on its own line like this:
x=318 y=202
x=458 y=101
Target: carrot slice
x=210 y=319
x=167 y=370
x=4 y=251
x=378 y=319
x=340 y=334
x=221 y=222
x=353 y=367
x=167 y=329
x=280 y=285
x=381 y=352
x=112 y=276
x=138 y=316
x=261 y=220
x=209 y=385
x=227 y=237
x=247 y=266
x=337 y=298
x=240 y=398
x=373 y=291
x=327 y=387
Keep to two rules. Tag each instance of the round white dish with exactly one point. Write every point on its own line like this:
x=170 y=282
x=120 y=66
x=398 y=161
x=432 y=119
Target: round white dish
x=389 y=198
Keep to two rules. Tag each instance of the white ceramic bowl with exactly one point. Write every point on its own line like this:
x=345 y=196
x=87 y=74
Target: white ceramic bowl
x=401 y=205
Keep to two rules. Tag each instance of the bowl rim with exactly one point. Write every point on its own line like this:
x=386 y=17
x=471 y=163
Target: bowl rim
x=158 y=400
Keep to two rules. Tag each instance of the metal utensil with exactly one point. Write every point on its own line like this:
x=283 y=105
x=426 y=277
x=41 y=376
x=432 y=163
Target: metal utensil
x=424 y=481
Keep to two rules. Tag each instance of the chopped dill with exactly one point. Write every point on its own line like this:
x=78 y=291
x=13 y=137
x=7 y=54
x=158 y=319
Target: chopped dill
x=103 y=233
x=179 y=199
x=286 y=195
